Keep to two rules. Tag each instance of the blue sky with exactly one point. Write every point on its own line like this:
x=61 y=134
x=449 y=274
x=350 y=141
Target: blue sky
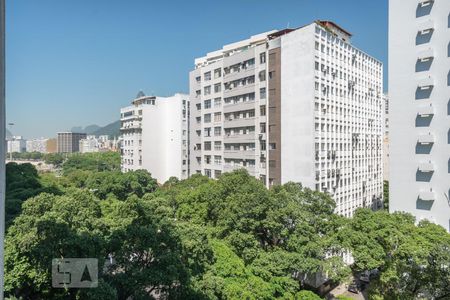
x=75 y=63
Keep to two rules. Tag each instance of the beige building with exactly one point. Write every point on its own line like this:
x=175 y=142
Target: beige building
x=69 y=142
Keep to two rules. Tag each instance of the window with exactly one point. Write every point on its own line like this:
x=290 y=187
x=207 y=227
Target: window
x=198 y=93
x=262 y=57
x=217 y=88
x=217 y=146
x=217 y=102
x=207 y=132
x=207 y=76
x=217 y=117
x=217 y=73
x=208 y=173
x=217 y=131
x=262 y=127
x=262 y=110
x=217 y=159
x=272 y=146
x=207 y=118
x=262 y=75
x=207 y=146
x=262 y=93
x=207 y=104
x=271 y=74
x=199 y=106
x=198 y=79
x=199 y=120
x=317 y=66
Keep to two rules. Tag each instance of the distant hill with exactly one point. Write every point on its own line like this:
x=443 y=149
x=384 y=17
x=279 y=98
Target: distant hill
x=113 y=130
x=88 y=129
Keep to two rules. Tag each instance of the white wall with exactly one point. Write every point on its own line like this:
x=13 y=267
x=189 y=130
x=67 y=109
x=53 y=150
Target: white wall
x=297 y=106
x=405 y=19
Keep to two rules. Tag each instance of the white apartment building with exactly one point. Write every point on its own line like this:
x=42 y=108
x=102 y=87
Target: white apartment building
x=300 y=105
x=37 y=145
x=155 y=136
x=386 y=141
x=419 y=90
x=17 y=144
x=89 y=144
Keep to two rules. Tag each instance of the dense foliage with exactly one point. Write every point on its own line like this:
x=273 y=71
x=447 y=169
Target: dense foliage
x=203 y=239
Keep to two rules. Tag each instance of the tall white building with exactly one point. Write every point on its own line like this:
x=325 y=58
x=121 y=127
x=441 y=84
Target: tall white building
x=17 y=144
x=300 y=105
x=386 y=141
x=155 y=136
x=419 y=91
x=37 y=145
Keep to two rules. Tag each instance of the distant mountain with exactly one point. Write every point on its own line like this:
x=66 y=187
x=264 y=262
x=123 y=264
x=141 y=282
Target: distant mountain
x=113 y=130
x=88 y=129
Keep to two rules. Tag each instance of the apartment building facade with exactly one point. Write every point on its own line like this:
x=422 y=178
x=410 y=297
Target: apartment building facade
x=69 y=142
x=17 y=144
x=299 y=105
x=419 y=89
x=37 y=145
x=155 y=136
x=89 y=144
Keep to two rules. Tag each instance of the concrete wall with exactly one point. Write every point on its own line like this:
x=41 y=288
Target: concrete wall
x=297 y=106
x=407 y=183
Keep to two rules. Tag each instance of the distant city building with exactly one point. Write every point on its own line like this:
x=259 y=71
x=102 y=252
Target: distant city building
x=69 y=142
x=301 y=105
x=89 y=144
x=419 y=92
x=155 y=136
x=17 y=144
x=52 y=146
x=37 y=145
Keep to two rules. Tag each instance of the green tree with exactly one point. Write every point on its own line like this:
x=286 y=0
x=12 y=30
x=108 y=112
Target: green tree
x=99 y=162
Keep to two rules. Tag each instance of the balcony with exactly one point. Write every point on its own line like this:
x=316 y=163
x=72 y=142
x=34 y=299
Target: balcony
x=425 y=3
x=247 y=105
x=426 y=55
x=425 y=139
x=239 y=122
x=240 y=154
x=426 y=27
x=239 y=138
x=427 y=196
x=239 y=90
x=425 y=83
x=130 y=127
x=426 y=167
x=426 y=111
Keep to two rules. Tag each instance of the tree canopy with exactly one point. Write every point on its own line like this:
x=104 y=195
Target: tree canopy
x=199 y=238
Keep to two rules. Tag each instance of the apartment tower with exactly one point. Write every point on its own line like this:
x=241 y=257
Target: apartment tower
x=155 y=136
x=69 y=142
x=419 y=91
x=299 y=105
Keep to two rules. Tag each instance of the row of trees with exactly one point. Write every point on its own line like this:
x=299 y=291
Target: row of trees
x=198 y=238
